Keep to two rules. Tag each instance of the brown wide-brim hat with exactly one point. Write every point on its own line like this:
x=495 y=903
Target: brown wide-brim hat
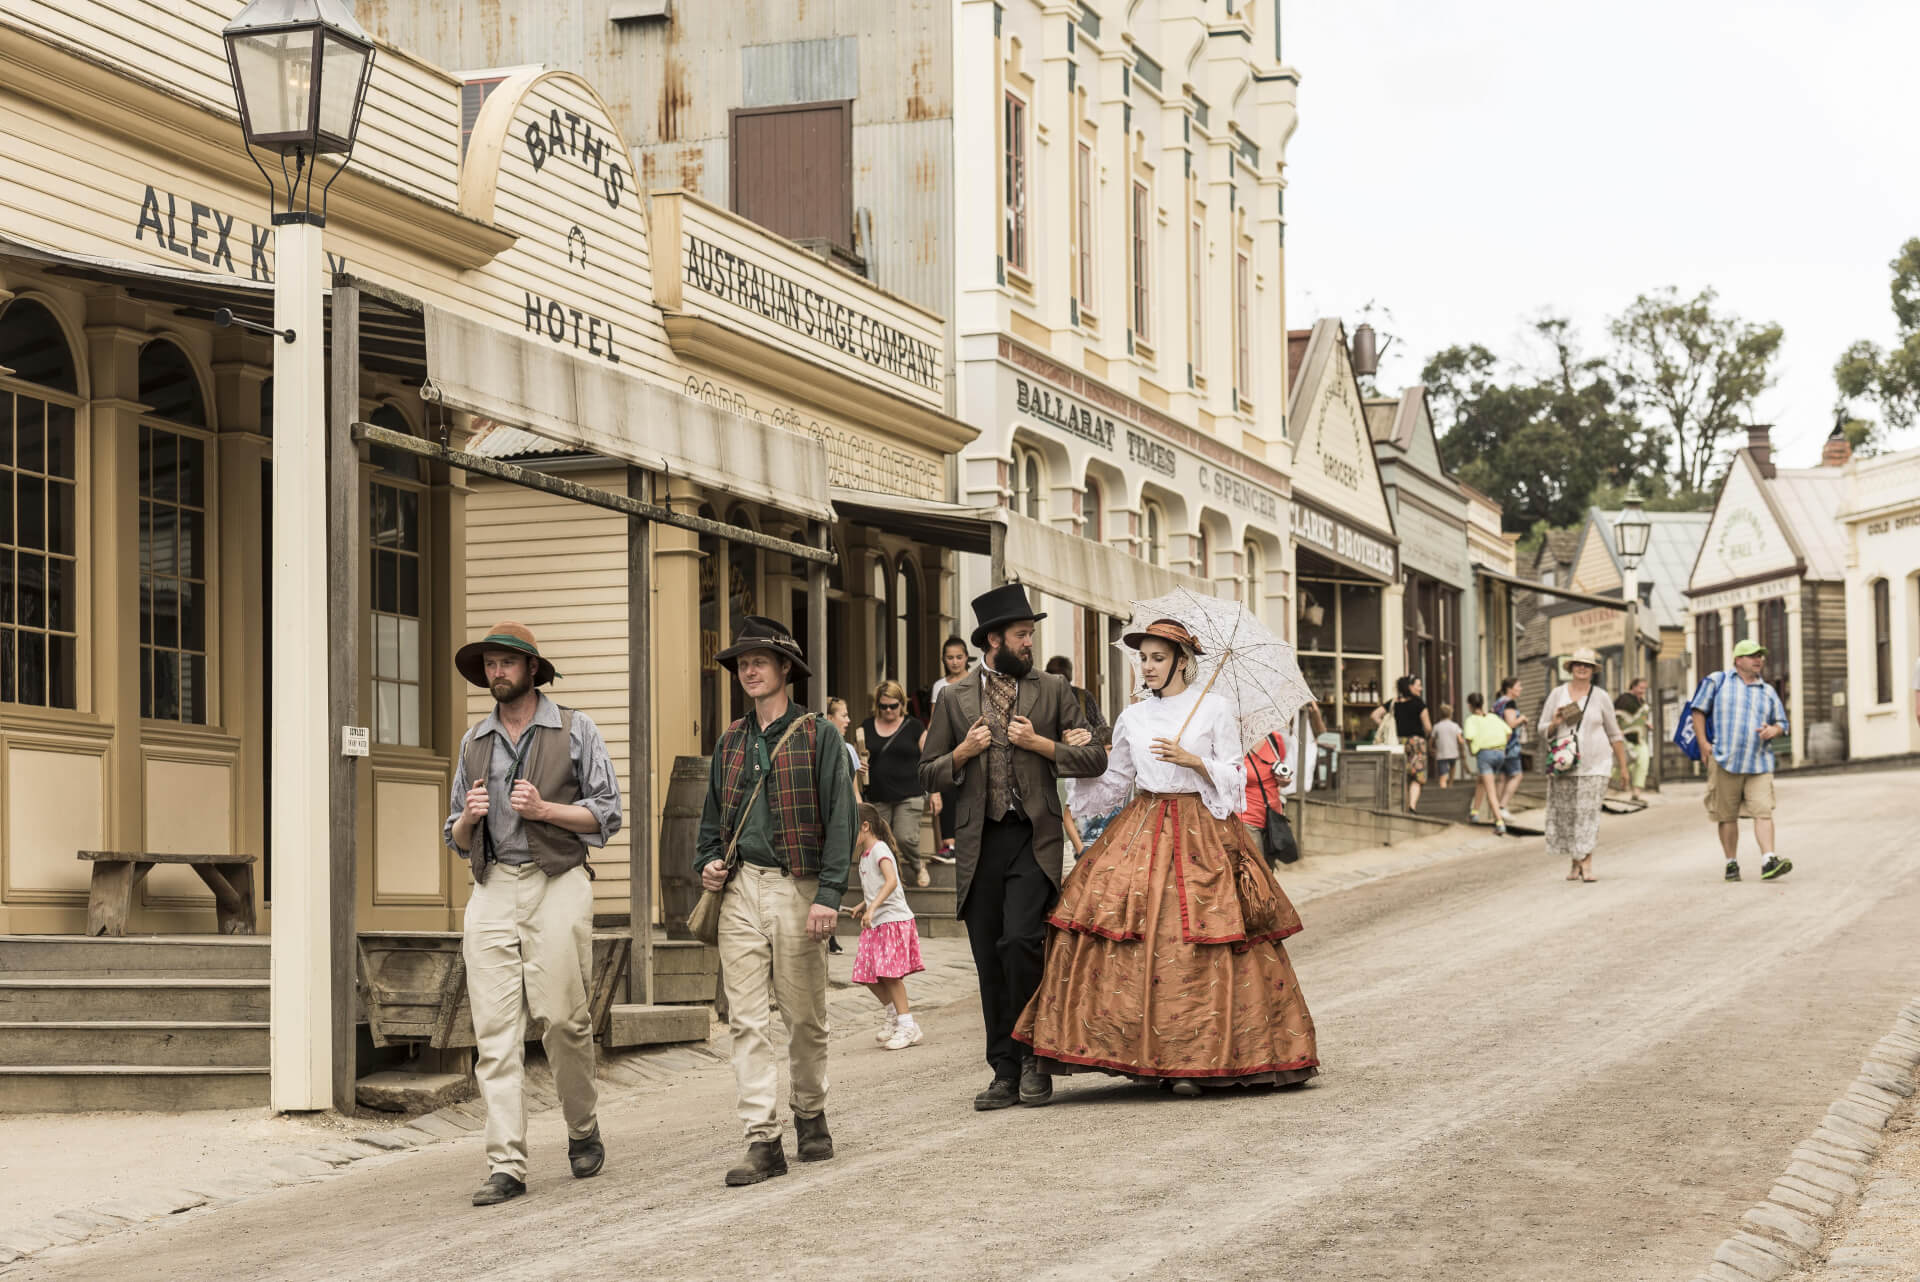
x=471 y=659
x=1167 y=630
x=760 y=633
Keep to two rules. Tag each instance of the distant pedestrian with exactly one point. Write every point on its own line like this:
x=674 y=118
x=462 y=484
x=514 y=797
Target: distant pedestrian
x=1486 y=737
x=1584 y=747
x=1746 y=717
x=842 y=720
x=776 y=838
x=1061 y=666
x=1636 y=722
x=1445 y=742
x=889 y=948
x=956 y=661
x=1412 y=723
x=890 y=748
x=533 y=789
x=1262 y=794
x=1507 y=708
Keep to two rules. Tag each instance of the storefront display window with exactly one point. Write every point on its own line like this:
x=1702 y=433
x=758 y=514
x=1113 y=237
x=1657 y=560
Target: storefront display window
x=1340 y=653
x=396 y=499
x=39 y=573
x=173 y=542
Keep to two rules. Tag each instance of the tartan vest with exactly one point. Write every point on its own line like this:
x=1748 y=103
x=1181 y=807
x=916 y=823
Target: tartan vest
x=792 y=796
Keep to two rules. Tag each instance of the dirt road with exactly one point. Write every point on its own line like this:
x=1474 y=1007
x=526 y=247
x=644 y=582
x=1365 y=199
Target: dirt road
x=1525 y=1079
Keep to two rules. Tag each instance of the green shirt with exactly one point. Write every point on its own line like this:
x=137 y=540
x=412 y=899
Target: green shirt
x=832 y=776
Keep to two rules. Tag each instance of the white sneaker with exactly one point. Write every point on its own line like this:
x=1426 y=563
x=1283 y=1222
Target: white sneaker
x=904 y=1035
x=884 y=1033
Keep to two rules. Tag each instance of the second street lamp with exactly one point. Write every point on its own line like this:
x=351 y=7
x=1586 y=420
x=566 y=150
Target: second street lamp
x=300 y=72
x=1631 y=530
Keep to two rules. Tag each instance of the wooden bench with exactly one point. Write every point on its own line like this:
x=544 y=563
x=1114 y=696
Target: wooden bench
x=118 y=873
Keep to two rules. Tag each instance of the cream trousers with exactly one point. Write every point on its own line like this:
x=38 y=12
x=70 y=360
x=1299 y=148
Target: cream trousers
x=766 y=958
x=529 y=952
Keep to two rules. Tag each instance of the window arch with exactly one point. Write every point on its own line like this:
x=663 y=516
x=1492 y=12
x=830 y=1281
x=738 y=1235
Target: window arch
x=1255 y=581
x=1093 y=510
x=39 y=543
x=174 y=538
x=908 y=652
x=1203 y=553
x=1153 y=521
x=1029 y=482
x=397 y=508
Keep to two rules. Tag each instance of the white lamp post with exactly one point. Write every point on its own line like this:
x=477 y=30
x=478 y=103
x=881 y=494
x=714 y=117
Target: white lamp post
x=1631 y=530
x=300 y=71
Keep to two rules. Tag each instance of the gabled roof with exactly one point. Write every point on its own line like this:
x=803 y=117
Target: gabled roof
x=1809 y=499
x=1673 y=543
x=1802 y=505
x=1296 y=353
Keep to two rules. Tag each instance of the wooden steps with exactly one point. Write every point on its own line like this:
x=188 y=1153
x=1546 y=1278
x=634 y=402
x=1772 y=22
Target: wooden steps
x=137 y=1022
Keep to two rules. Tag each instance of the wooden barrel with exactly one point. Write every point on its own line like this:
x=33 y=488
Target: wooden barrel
x=679 y=826
x=1825 y=743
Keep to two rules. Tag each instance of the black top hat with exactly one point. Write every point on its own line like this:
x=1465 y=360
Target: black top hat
x=994 y=610
x=760 y=633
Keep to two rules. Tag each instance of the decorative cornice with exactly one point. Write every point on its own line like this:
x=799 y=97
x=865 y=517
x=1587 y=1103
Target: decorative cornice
x=710 y=342
x=117 y=99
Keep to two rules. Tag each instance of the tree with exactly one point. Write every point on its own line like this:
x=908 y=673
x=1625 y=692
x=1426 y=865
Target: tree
x=1696 y=368
x=1891 y=379
x=1538 y=439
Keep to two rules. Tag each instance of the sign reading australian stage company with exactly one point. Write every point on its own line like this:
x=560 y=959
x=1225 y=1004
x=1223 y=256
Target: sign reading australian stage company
x=1330 y=534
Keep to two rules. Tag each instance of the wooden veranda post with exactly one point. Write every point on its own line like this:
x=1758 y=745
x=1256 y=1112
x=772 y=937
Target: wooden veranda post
x=343 y=675
x=640 y=741
x=817 y=621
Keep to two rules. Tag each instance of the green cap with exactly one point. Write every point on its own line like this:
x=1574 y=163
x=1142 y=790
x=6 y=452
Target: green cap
x=1741 y=649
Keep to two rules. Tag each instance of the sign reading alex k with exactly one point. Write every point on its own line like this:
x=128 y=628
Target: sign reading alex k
x=211 y=237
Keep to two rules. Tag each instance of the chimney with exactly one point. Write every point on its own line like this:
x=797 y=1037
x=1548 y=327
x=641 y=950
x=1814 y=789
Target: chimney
x=1838 y=451
x=1760 y=446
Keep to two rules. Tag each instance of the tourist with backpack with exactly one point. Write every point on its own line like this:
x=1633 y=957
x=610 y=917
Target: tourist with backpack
x=1584 y=746
x=1735 y=717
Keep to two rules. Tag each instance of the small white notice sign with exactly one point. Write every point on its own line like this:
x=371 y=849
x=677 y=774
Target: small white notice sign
x=353 y=741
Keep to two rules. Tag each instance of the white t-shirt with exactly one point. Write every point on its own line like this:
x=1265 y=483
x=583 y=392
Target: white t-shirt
x=943 y=683
x=853 y=755
x=894 y=906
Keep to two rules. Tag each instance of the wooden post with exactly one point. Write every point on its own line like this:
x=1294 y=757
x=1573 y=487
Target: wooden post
x=817 y=622
x=997 y=557
x=343 y=677
x=640 y=817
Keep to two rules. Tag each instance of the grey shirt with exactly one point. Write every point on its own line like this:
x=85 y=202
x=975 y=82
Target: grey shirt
x=599 y=787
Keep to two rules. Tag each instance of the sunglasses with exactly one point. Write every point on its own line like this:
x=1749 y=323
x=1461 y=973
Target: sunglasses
x=887 y=707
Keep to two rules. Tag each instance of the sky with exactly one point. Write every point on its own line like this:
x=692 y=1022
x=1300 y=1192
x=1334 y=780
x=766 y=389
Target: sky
x=1467 y=167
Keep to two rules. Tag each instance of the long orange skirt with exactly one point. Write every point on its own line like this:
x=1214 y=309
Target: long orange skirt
x=1164 y=958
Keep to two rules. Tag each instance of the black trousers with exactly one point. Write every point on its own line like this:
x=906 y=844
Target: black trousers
x=1006 y=915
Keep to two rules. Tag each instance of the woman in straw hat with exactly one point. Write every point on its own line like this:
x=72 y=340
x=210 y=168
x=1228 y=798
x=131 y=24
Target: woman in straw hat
x=1164 y=960
x=1583 y=744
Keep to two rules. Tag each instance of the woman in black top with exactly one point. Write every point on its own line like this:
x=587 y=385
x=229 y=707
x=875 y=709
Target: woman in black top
x=889 y=743
x=1412 y=724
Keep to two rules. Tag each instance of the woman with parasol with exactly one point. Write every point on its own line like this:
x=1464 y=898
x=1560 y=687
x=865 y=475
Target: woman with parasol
x=1164 y=960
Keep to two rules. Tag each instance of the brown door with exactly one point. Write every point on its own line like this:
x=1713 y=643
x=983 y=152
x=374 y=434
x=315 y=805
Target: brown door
x=792 y=170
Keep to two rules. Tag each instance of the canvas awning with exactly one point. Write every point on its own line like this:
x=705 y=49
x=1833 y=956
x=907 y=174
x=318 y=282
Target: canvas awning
x=506 y=377
x=943 y=525
x=1086 y=573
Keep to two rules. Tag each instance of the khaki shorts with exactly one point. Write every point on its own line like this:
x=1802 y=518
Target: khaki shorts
x=1734 y=796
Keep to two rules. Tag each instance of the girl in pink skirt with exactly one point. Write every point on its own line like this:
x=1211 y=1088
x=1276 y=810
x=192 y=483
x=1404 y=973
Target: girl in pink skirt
x=889 y=948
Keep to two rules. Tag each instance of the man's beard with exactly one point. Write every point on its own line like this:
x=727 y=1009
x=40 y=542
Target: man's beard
x=1009 y=664
x=514 y=690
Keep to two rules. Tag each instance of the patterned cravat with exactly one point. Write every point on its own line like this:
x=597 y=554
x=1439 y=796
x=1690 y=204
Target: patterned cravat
x=998 y=705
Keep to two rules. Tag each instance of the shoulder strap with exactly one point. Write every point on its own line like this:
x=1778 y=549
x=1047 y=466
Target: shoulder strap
x=733 y=846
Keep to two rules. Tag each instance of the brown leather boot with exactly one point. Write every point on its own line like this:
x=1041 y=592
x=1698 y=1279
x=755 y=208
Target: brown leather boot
x=765 y=1159
x=815 y=1144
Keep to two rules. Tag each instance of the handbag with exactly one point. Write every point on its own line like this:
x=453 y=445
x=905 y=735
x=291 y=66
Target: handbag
x=703 y=923
x=1563 y=745
x=1280 y=841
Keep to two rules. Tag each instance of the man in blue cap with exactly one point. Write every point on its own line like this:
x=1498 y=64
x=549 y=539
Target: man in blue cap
x=1747 y=717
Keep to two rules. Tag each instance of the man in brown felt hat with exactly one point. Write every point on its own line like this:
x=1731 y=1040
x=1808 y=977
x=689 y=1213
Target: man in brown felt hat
x=780 y=811
x=533 y=788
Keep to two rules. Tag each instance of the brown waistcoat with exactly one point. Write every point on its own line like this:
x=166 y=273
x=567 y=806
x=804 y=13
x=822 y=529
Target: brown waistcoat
x=549 y=768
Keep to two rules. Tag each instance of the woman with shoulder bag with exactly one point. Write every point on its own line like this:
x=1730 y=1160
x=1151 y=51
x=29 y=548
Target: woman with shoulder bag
x=890 y=746
x=1583 y=747
x=1264 y=813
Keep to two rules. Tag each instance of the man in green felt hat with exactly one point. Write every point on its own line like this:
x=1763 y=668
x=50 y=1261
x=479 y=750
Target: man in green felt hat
x=533 y=788
x=1736 y=717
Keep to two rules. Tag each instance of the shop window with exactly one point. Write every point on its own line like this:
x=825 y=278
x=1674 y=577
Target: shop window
x=39 y=512
x=1155 y=521
x=1707 y=638
x=1094 y=510
x=1340 y=638
x=1083 y=183
x=1778 y=641
x=169 y=387
x=396 y=507
x=1255 y=577
x=1203 y=554
x=1141 y=264
x=1739 y=624
x=1029 y=482
x=1882 y=641
x=173 y=576
x=1014 y=183
x=908 y=653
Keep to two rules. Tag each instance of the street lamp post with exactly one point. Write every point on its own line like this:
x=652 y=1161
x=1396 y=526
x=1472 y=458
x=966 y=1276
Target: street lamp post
x=300 y=71
x=1631 y=529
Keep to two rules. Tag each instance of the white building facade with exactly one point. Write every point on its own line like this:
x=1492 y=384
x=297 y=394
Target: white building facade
x=1880 y=517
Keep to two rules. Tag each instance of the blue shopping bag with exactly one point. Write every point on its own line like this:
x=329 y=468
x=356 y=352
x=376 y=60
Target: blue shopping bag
x=1683 y=736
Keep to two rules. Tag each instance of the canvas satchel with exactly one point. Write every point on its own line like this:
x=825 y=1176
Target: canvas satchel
x=703 y=923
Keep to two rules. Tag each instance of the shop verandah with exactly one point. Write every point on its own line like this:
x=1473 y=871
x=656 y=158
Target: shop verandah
x=149 y=460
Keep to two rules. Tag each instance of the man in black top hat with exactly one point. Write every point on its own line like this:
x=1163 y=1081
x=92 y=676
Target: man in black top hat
x=1001 y=739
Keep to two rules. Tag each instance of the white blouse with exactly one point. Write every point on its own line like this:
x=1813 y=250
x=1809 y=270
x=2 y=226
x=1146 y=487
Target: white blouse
x=1211 y=736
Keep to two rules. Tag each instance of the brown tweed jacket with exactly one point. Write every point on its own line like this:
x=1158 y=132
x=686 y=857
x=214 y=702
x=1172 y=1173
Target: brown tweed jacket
x=1048 y=702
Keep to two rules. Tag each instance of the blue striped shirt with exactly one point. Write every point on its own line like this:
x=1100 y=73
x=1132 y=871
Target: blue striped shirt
x=1739 y=712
